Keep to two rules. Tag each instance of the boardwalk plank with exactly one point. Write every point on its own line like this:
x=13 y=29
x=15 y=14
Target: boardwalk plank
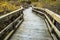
x=33 y=28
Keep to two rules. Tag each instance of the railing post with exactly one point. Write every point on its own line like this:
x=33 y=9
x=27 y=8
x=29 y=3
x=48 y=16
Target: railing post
x=53 y=20
x=12 y=20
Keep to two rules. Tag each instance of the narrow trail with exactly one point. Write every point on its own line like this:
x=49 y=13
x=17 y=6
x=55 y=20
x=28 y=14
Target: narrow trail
x=33 y=28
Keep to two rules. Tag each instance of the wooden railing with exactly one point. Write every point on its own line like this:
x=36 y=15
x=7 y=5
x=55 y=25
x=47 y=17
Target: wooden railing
x=52 y=18
x=9 y=23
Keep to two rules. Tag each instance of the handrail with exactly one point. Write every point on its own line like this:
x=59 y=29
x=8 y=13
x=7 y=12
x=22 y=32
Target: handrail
x=13 y=19
x=10 y=13
x=52 y=14
x=9 y=17
x=51 y=17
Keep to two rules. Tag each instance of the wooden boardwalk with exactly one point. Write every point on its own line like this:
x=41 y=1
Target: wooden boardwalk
x=33 y=28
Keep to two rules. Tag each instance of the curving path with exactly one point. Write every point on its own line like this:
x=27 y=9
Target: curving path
x=33 y=28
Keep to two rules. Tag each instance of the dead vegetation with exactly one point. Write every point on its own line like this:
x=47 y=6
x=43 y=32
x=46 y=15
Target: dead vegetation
x=6 y=7
x=53 y=5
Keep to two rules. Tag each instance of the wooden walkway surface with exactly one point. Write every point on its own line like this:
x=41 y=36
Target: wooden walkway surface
x=33 y=28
